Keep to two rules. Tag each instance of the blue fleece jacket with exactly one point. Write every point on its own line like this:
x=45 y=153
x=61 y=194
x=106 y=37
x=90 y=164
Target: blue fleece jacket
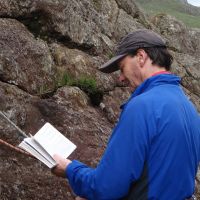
x=154 y=149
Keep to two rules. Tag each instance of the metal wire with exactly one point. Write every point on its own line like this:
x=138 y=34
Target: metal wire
x=20 y=131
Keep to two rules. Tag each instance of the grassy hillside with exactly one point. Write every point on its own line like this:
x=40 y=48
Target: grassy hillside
x=190 y=15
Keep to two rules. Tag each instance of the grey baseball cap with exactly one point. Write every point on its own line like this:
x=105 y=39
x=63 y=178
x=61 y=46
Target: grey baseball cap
x=138 y=39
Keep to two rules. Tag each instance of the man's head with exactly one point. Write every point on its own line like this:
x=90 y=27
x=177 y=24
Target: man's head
x=138 y=55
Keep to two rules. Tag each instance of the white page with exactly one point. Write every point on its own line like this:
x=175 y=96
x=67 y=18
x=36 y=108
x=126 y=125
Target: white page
x=34 y=144
x=53 y=141
x=32 y=151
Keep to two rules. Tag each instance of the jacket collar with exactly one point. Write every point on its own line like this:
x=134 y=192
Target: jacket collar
x=152 y=82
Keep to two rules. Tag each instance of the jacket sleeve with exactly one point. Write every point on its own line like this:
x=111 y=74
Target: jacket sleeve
x=122 y=162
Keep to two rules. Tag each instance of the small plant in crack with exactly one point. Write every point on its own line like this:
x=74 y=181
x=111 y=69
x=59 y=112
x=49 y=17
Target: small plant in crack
x=86 y=83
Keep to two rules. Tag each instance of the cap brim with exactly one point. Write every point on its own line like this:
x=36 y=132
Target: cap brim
x=111 y=65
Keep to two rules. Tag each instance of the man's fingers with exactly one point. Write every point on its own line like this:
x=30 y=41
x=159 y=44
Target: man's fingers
x=57 y=157
x=62 y=163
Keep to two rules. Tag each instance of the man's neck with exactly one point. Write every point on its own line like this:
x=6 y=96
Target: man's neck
x=154 y=70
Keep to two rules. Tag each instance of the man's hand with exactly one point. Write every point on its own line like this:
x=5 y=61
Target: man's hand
x=62 y=163
x=59 y=169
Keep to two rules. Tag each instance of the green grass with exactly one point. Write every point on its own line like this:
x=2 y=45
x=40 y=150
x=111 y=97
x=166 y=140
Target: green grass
x=86 y=83
x=171 y=7
x=64 y=79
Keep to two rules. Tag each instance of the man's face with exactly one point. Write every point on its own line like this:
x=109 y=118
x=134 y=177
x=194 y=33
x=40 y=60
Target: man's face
x=131 y=74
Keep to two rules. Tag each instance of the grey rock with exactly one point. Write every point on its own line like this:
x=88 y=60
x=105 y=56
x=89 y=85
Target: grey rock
x=24 y=60
x=69 y=110
x=175 y=32
x=191 y=75
x=195 y=38
x=78 y=64
x=89 y=25
x=14 y=9
x=132 y=9
x=131 y=24
x=74 y=97
x=112 y=101
x=194 y=98
x=198 y=176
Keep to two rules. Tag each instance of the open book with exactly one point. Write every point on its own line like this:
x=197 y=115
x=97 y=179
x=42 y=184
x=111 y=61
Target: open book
x=47 y=142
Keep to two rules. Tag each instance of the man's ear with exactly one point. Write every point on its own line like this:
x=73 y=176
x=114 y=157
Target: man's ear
x=142 y=57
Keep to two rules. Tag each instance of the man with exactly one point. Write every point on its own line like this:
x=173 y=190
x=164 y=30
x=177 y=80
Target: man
x=154 y=150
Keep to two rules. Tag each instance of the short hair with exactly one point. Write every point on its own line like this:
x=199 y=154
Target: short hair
x=159 y=55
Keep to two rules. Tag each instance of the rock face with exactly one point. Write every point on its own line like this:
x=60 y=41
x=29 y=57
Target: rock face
x=70 y=111
x=24 y=60
x=78 y=64
x=185 y=46
x=45 y=46
x=88 y=25
x=175 y=32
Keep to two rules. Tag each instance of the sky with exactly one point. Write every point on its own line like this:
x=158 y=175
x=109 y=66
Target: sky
x=194 y=2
